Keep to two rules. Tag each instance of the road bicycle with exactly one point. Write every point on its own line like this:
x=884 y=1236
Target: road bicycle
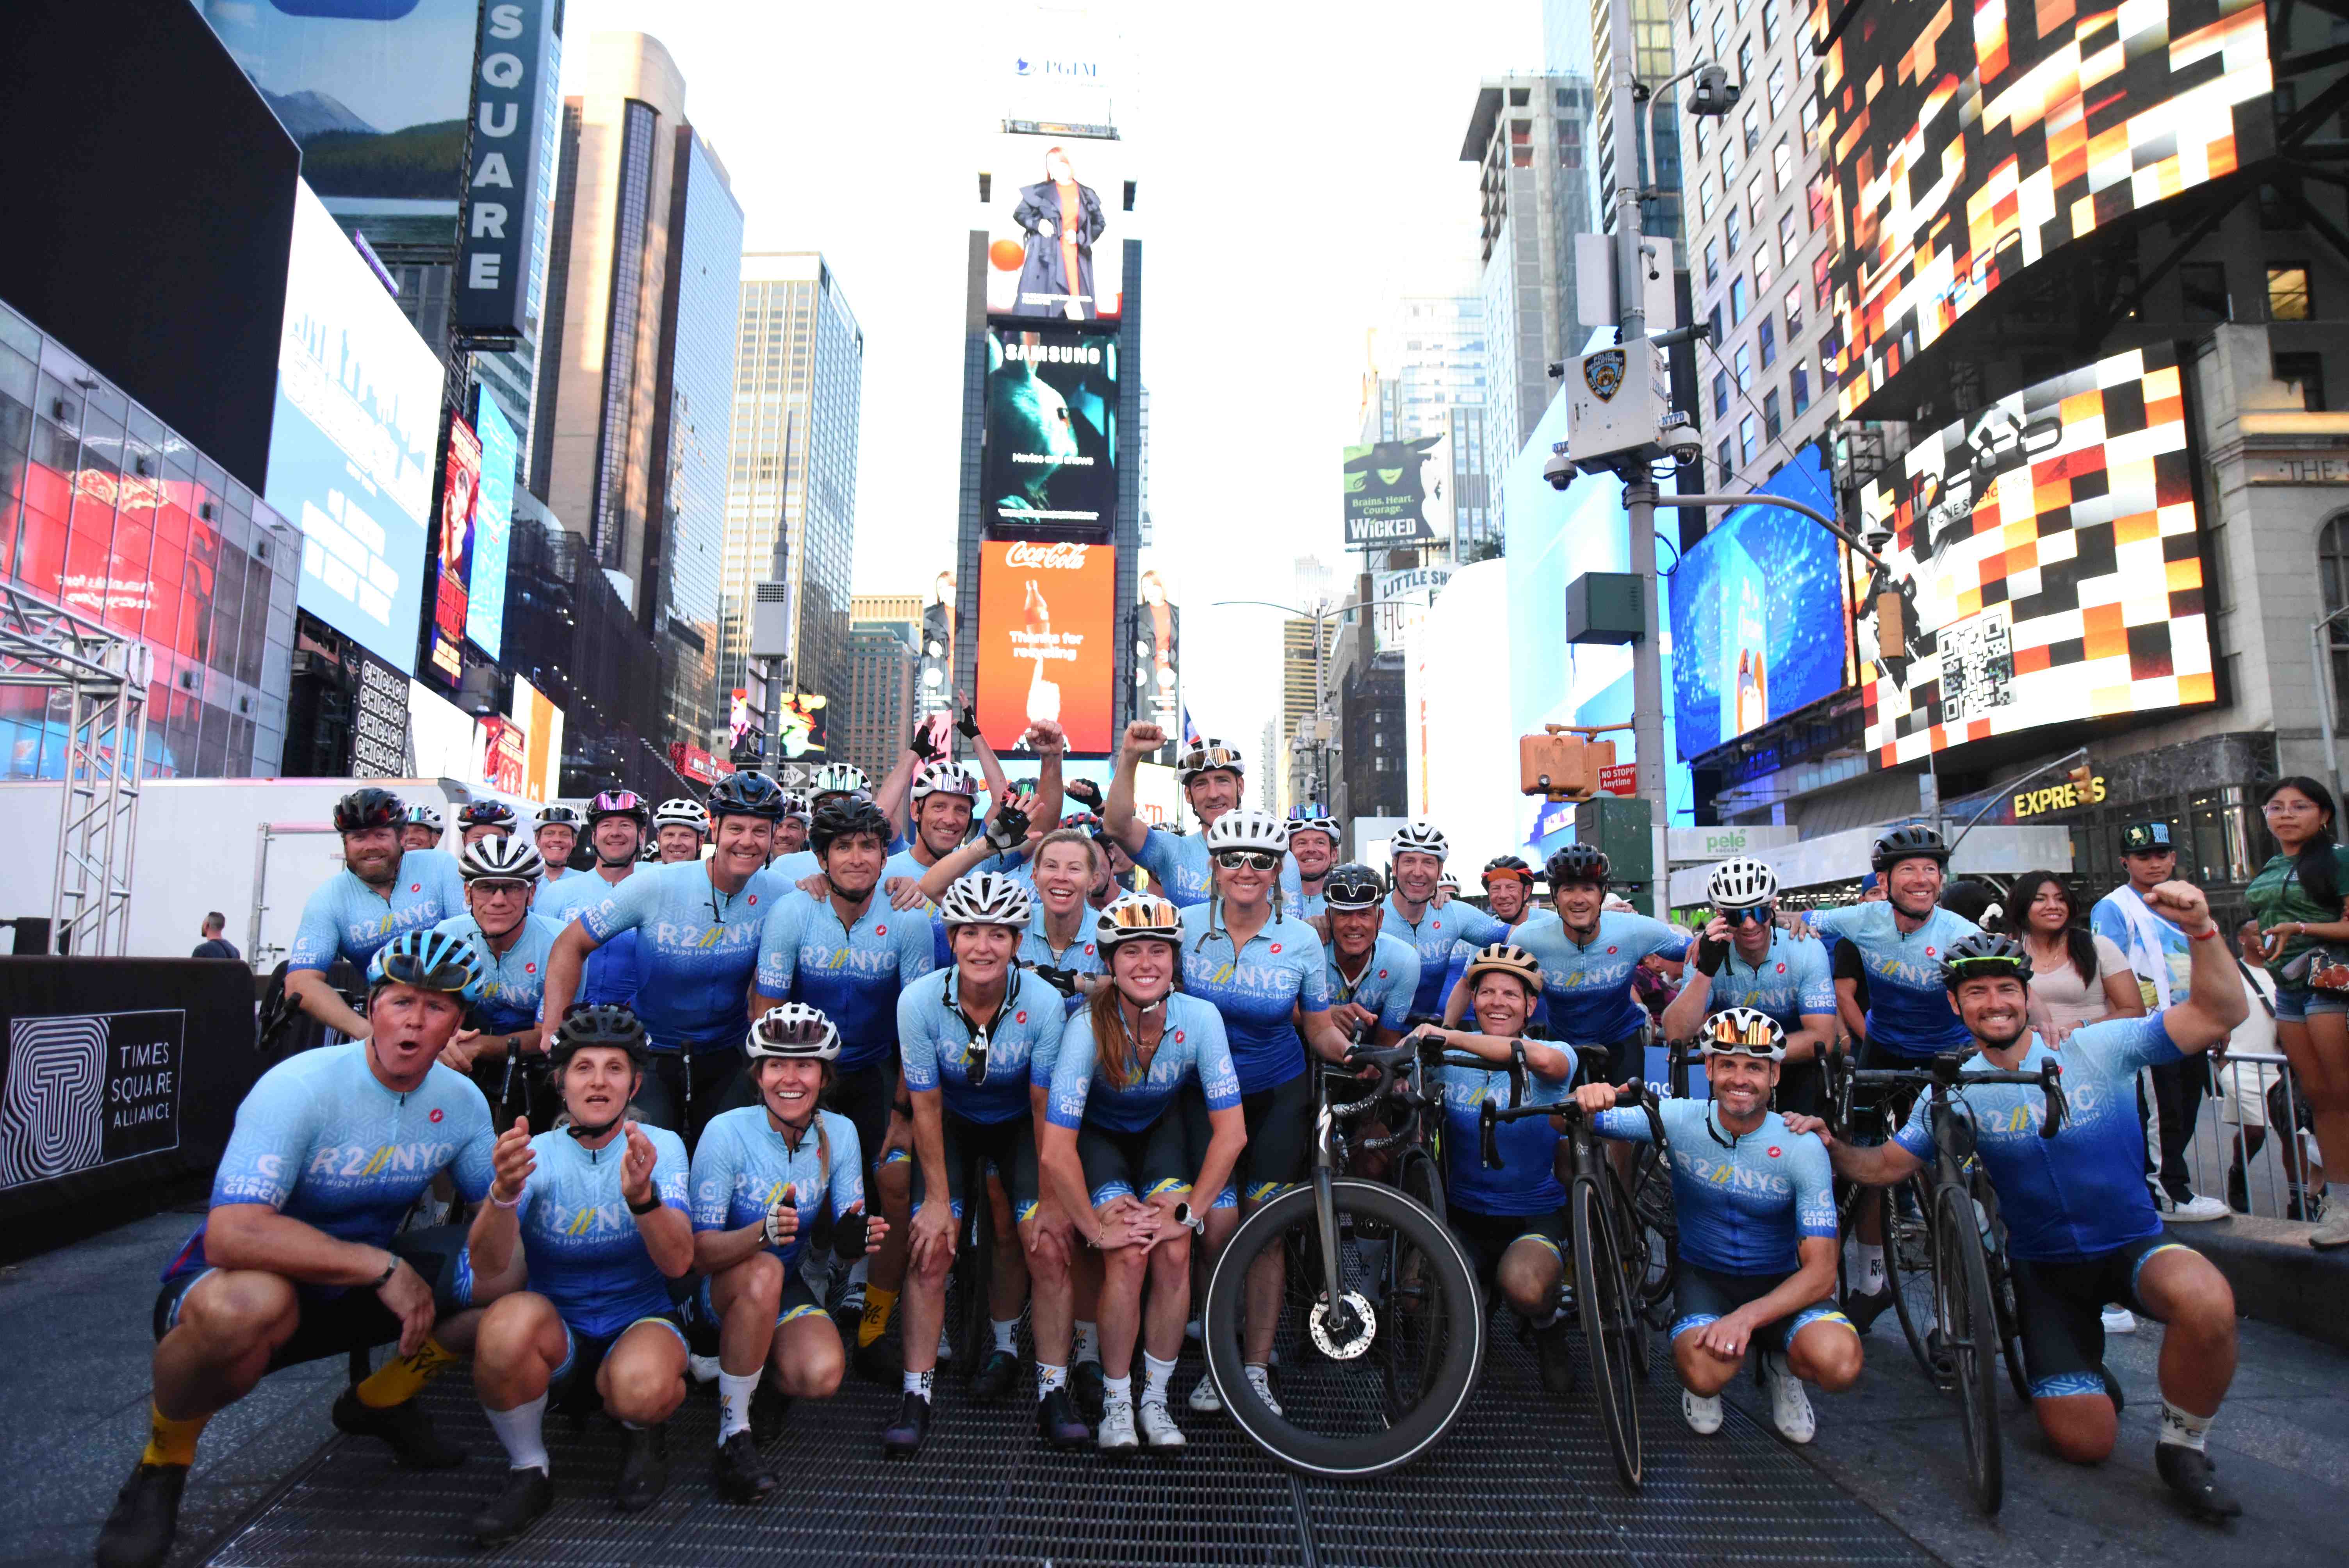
x=1948 y=1262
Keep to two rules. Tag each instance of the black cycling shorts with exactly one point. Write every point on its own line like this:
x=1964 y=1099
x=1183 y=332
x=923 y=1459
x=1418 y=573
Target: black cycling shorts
x=2061 y=1307
x=1487 y=1236
x=1154 y=1162
x=335 y=1319
x=1702 y=1295
x=865 y=1096
x=1007 y=1147
x=573 y=1387
x=1279 y=1139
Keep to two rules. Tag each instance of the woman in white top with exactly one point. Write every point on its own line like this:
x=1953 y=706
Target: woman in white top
x=2079 y=978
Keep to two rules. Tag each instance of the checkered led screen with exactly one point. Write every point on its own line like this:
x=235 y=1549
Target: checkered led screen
x=2046 y=553
x=1965 y=143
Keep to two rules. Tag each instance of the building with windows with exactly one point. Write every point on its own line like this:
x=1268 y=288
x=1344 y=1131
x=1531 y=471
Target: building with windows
x=1302 y=675
x=1575 y=44
x=882 y=663
x=790 y=495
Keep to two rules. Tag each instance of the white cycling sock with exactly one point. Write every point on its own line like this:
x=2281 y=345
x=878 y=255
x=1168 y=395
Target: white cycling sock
x=1088 y=1346
x=1155 y=1375
x=2182 y=1427
x=1049 y=1377
x=1871 y=1268
x=921 y=1382
x=734 y=1391
x=1117 y=1390
x=1005 y=1329
x=523 y=1430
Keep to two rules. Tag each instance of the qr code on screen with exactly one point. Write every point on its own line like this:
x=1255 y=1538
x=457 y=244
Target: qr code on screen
x=1977 y=665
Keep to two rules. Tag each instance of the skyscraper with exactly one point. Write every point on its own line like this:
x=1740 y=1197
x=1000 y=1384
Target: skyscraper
x=1574 y=41
x=790 y=500
x=880 y=704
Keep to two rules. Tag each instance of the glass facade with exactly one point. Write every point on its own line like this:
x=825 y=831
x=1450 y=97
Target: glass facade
x=613 y=435
x=108 y=512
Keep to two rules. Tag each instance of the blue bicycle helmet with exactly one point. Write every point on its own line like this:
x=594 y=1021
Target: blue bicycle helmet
x=747 y=794
x=431 y=960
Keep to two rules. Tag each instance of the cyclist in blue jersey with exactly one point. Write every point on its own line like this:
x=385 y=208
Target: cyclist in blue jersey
x=596 y=1216
x=1513 y=1220
x=945 y=802
x=697 y=929
x=297 y=1256
x=765 y=1178
x=1313 y=840
x=500 y=879
x=1509 y=893
x=1418 y=913
x=479 y=819
x=2081 y=1229
x=681 y=827
x=834 y=782
x=850 y=955
x=1373 y=977
x=1743 y=960
x=381 y=892
x=1065 y=868
x=1756 y=1202
x=967 y=1037
x=1212 y=778
x=420 y=828
x=791 y=832
x=616 y=832
x=1266 y=974
x=556 y=834
x=1119 y=1153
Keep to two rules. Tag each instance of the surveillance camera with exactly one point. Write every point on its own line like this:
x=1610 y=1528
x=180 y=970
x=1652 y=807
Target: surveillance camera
x=1559 y=471
x=1685 y=450
x=1714 y=95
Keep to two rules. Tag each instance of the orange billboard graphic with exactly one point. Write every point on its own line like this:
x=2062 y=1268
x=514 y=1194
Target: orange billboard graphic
x=1046 y=642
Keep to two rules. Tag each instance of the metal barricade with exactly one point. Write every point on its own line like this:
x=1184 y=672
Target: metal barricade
x=2254 y=1115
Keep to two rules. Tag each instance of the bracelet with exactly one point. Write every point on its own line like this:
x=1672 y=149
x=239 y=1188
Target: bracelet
x=512 y=1202
x=647 y=1207
x=389 y=1269
x=2206 y=935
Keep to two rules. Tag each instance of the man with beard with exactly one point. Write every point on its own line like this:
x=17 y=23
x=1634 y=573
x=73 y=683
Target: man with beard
x=1420 y=914
x=1509 y=898
x=382 y=891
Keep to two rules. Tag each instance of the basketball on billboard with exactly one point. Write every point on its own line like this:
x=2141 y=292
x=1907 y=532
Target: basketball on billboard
x=1007 y=255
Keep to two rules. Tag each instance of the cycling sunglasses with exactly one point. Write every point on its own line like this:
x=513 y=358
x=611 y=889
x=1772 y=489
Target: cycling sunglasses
x=1260 y=860
x=1209 y=756
x=1724 y=1038
x=1761 y=915
x=410 y=970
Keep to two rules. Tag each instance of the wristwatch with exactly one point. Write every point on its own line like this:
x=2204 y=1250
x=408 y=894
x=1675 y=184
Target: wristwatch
x=647 y=1206
x=389 y=1269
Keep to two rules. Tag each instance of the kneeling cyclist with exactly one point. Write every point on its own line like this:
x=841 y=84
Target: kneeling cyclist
x=300 y=1256
x=1755 y=1200
x=1117 y=1150
x=764 y=1176
x=595 y=1215
x=1512 y=1220
x=967 y=1037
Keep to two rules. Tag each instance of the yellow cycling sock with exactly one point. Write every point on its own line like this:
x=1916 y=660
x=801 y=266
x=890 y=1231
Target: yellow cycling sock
x=396 y=1380
x=878 y=1304
x=170 y=1442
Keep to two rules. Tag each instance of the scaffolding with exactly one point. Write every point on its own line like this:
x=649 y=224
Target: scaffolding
x=101 y=678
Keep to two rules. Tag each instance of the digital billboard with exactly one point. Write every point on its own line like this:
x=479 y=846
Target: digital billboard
x=1399 y=492
x=485 y=582
x=1968 y=141
x=351 y=445
x=1157 y=655
x=1761 y=625
x=1046 y=640
x=1048 y=460
x=2045 y=552
x=461 y=483
x=1055 y=226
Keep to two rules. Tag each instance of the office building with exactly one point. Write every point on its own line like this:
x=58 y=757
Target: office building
x=1431 y=367
x=881 y=676
x=900 y=612
x=1575 y=31
x=790 y=495
x=1302 y=673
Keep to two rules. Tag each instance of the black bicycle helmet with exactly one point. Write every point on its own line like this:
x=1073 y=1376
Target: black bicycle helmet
x=1508 y=866
x=1353 y=887
x=368 y=808
x=1915 y=842
x=1577 y=864
x=488 y=813
x=749 y=793
x=597 y=1024
x=1982 y=953
x=836 y=819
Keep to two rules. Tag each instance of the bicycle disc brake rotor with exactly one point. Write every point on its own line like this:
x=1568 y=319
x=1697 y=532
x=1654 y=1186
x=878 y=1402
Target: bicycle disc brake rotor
x=1365 y=1327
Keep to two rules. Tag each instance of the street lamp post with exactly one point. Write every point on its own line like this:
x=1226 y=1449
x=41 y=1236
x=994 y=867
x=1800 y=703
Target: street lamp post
x=2325 y=696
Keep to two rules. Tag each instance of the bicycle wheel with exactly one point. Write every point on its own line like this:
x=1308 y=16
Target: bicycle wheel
x=1603 y=1294
x=1633 y=1242
x=1969 y=1330
x=1653 y=1209
x=1908 y=1270
x=1373 y=1386
x=1419 y=1325
x=2002 y=1302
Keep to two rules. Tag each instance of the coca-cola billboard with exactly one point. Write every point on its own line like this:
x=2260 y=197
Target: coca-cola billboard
x=1046 y=640
x=1047 y=467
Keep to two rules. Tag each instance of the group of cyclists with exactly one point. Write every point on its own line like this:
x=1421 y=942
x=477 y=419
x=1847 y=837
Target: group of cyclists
x=752 y=1065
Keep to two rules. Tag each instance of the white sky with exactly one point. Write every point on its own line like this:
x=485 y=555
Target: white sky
x=1299 y=165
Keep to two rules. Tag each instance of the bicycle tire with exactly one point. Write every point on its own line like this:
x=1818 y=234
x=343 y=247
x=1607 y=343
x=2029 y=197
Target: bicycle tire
x=1604 y=1299
x=1968 y=1326
x=1449 y=1281
x=1908 y=1271
x=1634 y=1242
x=1422 y=1180
x=973 y=1276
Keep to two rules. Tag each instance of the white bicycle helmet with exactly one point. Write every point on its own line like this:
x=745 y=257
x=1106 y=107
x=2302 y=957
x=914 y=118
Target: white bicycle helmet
x=1742 y=883
x=1207 y=757
x=1248 y=830
x=1421 y=838
x=988 y=898
x=681 y=813
x=839 y=779
x=1137 y=915
x=557 y=816
x=421 y=817
x=514 y=859
x=1312 y=824
x=793 y=1030
x=1741 y=1031
x=945 y=779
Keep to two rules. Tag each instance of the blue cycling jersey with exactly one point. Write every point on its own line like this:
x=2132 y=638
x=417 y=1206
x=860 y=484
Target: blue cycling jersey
x=1259 y=991
x=1588 y=985
x=516 y=979
x=854 y=973
x=1432 y=936
x=743 y=1167
x=612 y=973
x=1744 y=1202
x=1386 y=983
x=1526 y=1182
x=2082 y=1193
x=696 y=948
x=1908 y=1011
x=1080 y=957
x=582 y=1245
x=1791 y=979
x=1462 y=953
x=1311 y=905
x=1192 y=1044
x=320 y=1140
x=1178 y=867
x=933 y=1042
x=345 y=918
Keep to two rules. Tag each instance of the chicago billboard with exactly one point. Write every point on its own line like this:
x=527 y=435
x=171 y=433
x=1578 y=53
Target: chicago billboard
x=1046 y=641
x=1049 y=457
